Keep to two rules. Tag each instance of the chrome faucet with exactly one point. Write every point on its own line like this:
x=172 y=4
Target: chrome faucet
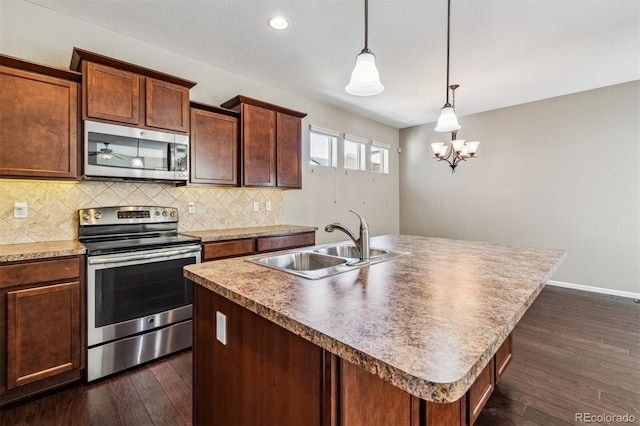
x=361 y=242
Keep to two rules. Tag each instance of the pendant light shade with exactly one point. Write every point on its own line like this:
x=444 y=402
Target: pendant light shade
x=365 y=79
x=447 y=122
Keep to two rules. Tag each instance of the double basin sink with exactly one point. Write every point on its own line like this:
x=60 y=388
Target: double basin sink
x=324 y=261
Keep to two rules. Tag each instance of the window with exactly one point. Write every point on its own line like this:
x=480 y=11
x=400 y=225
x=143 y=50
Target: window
x=379 y=157
x=323 y=147
x=355 y=149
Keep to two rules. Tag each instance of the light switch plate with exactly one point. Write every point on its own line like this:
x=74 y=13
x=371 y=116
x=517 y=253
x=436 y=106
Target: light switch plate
x=268 y=206
x=221 y=327
x=192 y=207
x=256 y=206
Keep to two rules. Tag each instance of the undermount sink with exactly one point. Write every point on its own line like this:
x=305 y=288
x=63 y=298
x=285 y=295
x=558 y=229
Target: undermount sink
x=323 y=261
x=301 y=261
x=350 y=252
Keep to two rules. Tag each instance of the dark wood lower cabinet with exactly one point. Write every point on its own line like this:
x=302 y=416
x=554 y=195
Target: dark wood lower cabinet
x=215 y=250
x=480 y=391
x=264 y=374
x=42 y=332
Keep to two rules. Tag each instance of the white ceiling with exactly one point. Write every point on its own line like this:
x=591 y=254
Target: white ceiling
x=503 y=52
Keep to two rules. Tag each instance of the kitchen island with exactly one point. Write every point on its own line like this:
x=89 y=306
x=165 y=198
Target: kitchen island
x=412 y=340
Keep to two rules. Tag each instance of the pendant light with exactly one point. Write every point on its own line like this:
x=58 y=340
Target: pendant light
x=365 y=79
x=448 y=121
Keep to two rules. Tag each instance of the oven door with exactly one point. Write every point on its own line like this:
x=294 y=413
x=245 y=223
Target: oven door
x=128 y=293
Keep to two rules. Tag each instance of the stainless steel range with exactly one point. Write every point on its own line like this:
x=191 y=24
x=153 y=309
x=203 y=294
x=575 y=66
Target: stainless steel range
x=139 y=305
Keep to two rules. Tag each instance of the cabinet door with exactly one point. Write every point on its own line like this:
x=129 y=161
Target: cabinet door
x=288 y=153
x=258 y=146
x=480 y=391
x=503 y=357
x=167 y=105
x=38 y=125
x=214 y=148
x=43 y=332
x=111 y=94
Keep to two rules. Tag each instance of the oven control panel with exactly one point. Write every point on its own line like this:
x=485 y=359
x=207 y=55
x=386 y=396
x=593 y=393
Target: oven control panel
x=126 y=215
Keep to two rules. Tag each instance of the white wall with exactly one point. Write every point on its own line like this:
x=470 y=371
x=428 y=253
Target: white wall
x=37 y=34
x=562 y=173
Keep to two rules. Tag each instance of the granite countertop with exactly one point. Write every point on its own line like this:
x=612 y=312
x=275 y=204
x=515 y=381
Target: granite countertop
x=31 y=251
x=427 y=322
x=252 y=232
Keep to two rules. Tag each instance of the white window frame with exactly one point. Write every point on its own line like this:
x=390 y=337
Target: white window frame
x=362 y=151
x=386 y=150
x=334 y=144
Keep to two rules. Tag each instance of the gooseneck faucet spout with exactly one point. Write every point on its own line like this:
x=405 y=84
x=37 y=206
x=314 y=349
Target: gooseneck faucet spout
x=361 y=242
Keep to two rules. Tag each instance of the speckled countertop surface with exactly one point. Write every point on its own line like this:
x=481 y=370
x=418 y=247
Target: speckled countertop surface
x=427 y=322
x=253 y=232
x=31 y=251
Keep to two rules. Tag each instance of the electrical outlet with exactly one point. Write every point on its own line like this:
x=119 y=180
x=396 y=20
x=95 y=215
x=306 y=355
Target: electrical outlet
x=267 y=206
x=192 y=207
x=20 y=210
x=256 y=206
x=221 y=327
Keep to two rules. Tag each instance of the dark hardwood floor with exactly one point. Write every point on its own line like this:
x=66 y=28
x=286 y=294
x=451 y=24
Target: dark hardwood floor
x=575 y=352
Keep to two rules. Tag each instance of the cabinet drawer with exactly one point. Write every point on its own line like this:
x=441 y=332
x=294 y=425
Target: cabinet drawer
x=287 y=241
x=219 y=250
x=39 y=272
x=480 y=391
x=503 y=357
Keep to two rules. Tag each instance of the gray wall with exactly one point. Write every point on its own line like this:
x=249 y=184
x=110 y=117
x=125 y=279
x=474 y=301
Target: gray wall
x=38 y=34
x=561 y=172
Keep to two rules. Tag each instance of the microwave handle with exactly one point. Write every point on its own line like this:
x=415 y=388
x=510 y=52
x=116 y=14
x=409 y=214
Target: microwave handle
x=171 y=157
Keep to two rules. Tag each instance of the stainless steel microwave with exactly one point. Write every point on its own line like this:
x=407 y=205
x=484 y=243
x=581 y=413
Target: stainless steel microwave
x=120 y=152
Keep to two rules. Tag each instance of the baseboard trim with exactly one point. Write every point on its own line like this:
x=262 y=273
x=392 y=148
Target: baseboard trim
x=591 y=289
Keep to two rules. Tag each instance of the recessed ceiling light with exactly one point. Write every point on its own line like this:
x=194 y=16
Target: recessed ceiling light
x=278 y=23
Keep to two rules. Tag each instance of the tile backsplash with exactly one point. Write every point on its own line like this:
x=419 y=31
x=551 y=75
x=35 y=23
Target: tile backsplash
x=52 y=206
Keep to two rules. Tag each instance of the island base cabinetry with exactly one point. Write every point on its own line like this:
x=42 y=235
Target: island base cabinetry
x=248 y=370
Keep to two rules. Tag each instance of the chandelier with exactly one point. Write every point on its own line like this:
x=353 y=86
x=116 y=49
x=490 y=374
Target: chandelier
x=458 y=149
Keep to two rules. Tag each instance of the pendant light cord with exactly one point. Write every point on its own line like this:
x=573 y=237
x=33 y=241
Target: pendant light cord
x=366 y=24
x=448 y=37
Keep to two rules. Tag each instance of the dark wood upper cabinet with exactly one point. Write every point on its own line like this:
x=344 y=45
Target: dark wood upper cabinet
x=167 y=105
x=214 y=146
x=288 y=152
x=258 y=146
x=125 y=93
x=111 y=94
x=271 y=143
x=39 y=119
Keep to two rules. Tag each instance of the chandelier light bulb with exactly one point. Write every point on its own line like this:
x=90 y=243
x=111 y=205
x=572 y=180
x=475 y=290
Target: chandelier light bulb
x=365 y=79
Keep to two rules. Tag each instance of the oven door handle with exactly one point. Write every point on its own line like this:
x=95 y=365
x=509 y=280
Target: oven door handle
x=122 y=259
